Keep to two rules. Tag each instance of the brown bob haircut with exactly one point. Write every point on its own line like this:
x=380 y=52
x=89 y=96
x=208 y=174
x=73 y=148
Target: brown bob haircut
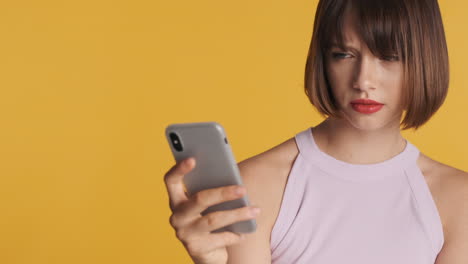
x=412 y=29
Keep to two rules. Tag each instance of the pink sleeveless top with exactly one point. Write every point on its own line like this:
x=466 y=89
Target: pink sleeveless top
x=335 y=212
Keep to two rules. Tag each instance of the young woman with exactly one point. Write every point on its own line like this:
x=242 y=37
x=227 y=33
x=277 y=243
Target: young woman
x=350 y=189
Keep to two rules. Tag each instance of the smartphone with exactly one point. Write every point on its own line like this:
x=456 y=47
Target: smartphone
x=215 y=165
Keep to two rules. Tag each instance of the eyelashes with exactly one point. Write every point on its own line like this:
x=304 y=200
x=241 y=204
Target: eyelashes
x=338 y=55
x=341 y=55
x=391 y=58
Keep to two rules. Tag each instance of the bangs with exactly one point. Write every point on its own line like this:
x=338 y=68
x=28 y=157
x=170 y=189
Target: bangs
x=379 y=24
x=411 y=30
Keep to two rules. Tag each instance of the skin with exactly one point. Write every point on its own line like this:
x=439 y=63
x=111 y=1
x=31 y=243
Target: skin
x=357 y=138
x=355 y=73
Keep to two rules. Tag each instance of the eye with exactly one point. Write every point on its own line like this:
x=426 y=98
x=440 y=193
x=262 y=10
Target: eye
x=391 y=58
x=339 y=55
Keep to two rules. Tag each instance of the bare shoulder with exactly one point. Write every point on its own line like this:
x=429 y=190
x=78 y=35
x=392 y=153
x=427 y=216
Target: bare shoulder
x=449 y=187
x=270 y=164
x=446 y=182
x=264 y=175
x=441 y=170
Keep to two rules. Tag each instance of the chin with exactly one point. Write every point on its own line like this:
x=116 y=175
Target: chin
x=369 y=122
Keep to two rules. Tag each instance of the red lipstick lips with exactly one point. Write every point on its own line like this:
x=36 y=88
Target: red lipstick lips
x=366 y=106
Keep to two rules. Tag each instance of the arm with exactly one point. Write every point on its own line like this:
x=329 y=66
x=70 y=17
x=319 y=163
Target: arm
x=455 y=249
x=255 y=249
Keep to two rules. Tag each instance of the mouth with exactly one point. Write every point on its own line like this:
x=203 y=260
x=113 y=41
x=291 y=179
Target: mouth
x=366 y=102
x=366 y=106
x=366 y=109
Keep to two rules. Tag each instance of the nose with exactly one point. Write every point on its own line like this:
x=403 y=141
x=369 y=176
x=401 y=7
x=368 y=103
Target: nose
x=365 y=74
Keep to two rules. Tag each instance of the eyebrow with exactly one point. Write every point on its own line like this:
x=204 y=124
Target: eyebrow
x=334 y=44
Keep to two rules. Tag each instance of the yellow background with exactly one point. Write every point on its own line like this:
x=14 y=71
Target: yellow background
x=88 y=87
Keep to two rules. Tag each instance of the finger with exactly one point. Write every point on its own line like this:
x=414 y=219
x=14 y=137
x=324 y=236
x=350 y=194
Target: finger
x=216 y=220
x=190 y=210
x=206 y=198
x=174 y=181
x=215 y=241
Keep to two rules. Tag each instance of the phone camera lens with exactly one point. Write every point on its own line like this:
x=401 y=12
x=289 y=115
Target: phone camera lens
x=176 y=142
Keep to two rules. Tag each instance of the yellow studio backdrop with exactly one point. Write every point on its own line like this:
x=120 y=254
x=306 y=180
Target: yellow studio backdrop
x=88 y=87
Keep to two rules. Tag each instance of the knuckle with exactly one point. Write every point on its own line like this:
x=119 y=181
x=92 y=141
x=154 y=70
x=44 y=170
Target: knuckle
x=199 y=198
x=173 y=221
x=192 y=248
x=180 y=234
x=211 y=219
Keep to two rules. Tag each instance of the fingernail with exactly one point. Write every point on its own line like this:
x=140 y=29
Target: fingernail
x=240 y=190
x=255 y=211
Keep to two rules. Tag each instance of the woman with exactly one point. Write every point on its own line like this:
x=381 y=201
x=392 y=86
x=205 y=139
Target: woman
x=351 y=189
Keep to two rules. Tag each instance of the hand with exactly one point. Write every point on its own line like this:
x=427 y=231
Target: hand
x=193 y=229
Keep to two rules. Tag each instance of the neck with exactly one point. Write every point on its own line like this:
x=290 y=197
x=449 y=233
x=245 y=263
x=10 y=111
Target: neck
x=347 y=143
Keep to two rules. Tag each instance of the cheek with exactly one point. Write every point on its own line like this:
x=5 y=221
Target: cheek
x=392 y=80
x=337 y=76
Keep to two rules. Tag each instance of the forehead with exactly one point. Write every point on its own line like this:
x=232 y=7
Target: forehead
x=363 y=25
x=349 y=31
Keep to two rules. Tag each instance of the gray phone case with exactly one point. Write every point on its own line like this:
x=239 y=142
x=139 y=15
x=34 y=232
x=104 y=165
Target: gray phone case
x=215 y=165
